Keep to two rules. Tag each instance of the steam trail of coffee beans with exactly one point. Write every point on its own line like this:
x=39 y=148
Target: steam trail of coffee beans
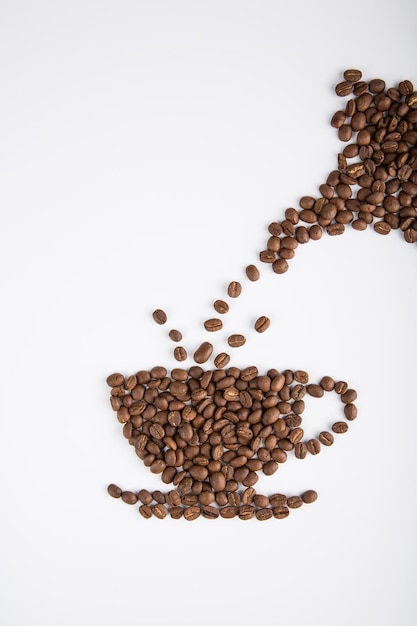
x=209 y=432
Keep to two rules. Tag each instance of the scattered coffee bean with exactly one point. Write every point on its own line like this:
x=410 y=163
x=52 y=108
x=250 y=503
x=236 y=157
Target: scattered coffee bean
x=213 y=324
x=234 y=289
x=262 y=324
x=309 y=496
x=114 y=491
x=236 y=340
x=175 y=335
x=340 y=427
x=221 y=306
x=159 y=316
x=252 y=273
x=129 y=497
x=326 y=438
x=294 y=502
x=203 y=352
x=180 y=353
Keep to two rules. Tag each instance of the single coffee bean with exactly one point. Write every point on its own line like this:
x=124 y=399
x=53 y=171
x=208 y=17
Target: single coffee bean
x=217 y=481
x=176 y=512
x=294 y=502
x=191 y=513
x=157 y=431
x=229 y=512
x=260 y=501
x=221 y=306
x=344 y=88
x=180 y=353
x=352 y=75
x=159 y=316
x=340 y=427
x=280 y=266
x=280 y=512
x=114 y=491
x=158 y=496
x=234 y=289
x=210 y=512
x=335 y=229
x=236 y=340
x=173 y=498
x=145 y=511
x=278 y=499
x=262 y=324
x=313 y=446
x=246 y=512
x=175 y=335
x=309 y=496
x=382 y=228
x=338 y=119
x=145 y=496
x=222 y=360
x=160 y=511
x=263 y=514
x=327 y=383
x=129 y=497
x=350 y=411
x=115 y=380
x=326 y=438
x=252 y=273
x=203 y=352
x=316 y=391
x=340 y=387
x=213 y=325
x=300 y=450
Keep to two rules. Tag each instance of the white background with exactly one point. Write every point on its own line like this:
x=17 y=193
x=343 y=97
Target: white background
x=145 y=147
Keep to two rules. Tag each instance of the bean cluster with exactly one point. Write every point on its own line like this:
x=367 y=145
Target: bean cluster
x=210 y=433
x=375 y=182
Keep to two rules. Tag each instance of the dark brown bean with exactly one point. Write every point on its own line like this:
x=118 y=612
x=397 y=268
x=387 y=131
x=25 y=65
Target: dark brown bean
x=262 y=324
x=175 y=335
x=252 y=273
x=234 y=289
x=159 y=316
x=145 y=511
x=340 y=427
x=213 y=324
x=129 y=497
x=236 y=340
x=114 y=491
x=203 y=352
x=221 y=306
x=326 y=438
x=313 y=446
x=115 y=380
x=309 y=496
x=180 y=353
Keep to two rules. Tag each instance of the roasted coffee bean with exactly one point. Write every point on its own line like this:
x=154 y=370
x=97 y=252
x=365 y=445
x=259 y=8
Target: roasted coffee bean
x=294 y=502
x=316 y=391
x=236 y=340
x=203 y=352
x=326 y=438
x=213 y=325
x=313 y=446
x=221 y=306
x=252 y=273
x=180 y=353
x=158 y=496
x=300 y=450
x=192 y=513
x=246 y=512
x=340 y=427
x=129 y=497
x=145 y=511
x=114 y=491
x=176 y=512
x=351 y=411
x=382 y=228
x=159 y=316
x=115 y=380
x=160 y=511
x=210 y=512
x=263 y=514
x=309 y=496
x=280 y=512
x=352 y=75
x=234 y=289
x=262 y=324
x=175 y=335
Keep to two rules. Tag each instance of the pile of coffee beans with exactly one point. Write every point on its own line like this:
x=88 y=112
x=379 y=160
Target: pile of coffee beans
x=375 y=181
x=210 y=433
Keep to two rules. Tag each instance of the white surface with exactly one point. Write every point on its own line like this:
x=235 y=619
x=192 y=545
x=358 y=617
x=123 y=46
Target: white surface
x=145 y=148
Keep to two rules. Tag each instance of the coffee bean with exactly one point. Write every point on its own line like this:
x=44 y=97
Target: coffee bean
x=326 y=438
x=114 y=491
x=145 y=511
x=300 y=450
x=176 y=512
x=222 y=360
x=160 y=511
x=228 y=512
x=351 y=411
x=340 y=387
x=192 y=513
x=294 y=502
x=280 y=512
x=159 y=316
x=263 y=514
x=340 y=427
x=115 y=380
x=252 y=273
x=175 y=335
x=236 y=340
x=180 y=353
x=316 y=391
x=210 y=512
x=309 y=496
x=262 y=324
x=313 y=446
x=382 y=228
x=246 y=512
x=234 y=289
x=221 y=306
x=280 y=266
x=352 y=75
x=129 y=497
x=344 y=88
x=213 y=325
x=203 y=352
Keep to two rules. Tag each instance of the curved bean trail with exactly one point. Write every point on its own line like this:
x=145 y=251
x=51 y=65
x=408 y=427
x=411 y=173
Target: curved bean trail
x=209 y=432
